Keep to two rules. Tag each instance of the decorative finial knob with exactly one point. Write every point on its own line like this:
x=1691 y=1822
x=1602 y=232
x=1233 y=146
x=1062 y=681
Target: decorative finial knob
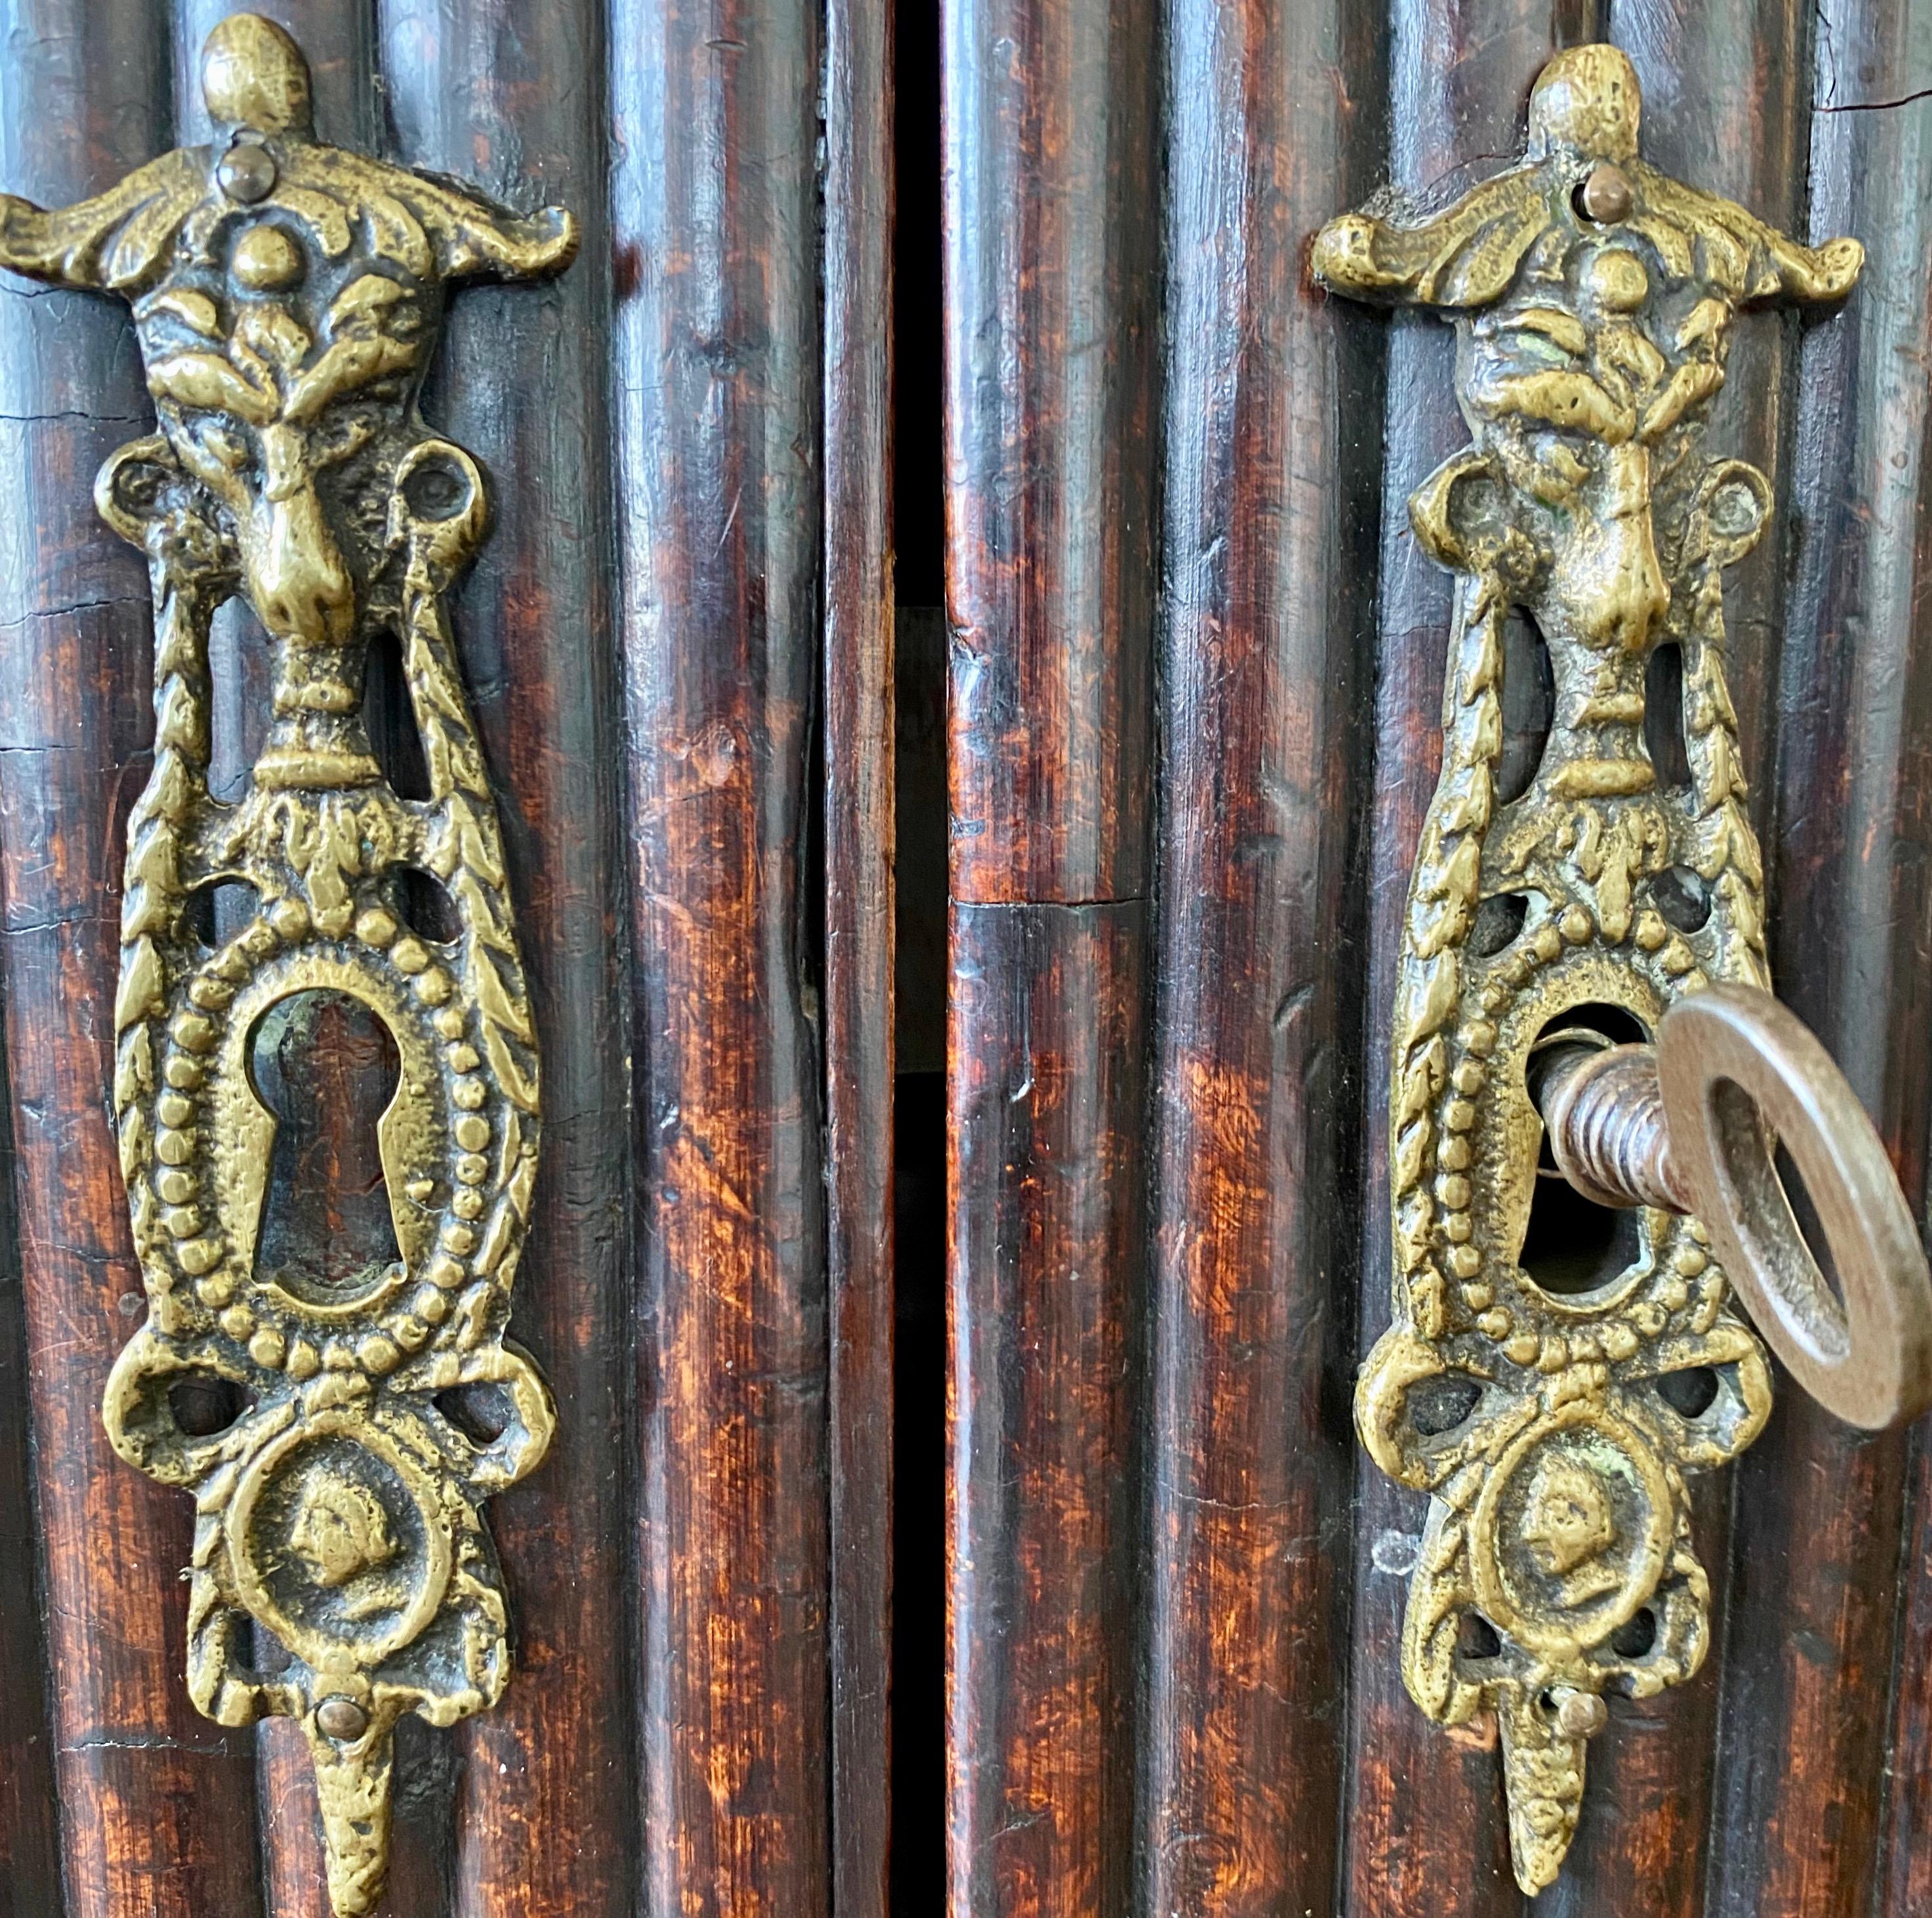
x=1587 y=98
x=253 y=75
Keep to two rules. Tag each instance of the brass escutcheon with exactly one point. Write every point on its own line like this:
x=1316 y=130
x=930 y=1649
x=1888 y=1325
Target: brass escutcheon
x=286 y=297
x=1594 y=299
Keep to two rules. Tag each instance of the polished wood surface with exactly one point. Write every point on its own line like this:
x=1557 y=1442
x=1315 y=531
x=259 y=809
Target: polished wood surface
x=650 y=663
x=1268 y=584
x=1050 y=163
x=718 y=336
x=1196 y=659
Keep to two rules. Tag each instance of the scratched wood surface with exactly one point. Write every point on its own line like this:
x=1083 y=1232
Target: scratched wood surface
x=1050 y=160
x=860 y=806
x=1298 y=658
x=1196 y=661
x=683 y=617
x=1269 y=588
x=718 y=340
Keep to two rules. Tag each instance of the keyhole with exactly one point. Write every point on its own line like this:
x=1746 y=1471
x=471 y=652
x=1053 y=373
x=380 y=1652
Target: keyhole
x=326 y=1065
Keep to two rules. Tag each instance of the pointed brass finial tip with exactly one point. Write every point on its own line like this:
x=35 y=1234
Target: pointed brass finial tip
x=253 y=75
x=1587 y=99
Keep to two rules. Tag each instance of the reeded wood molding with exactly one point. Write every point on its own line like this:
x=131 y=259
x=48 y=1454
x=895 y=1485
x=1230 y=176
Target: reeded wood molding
x=286 y=296
x=1595 y=299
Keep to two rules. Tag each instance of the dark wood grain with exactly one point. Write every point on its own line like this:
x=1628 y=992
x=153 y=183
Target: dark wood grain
x=1049 y=183
x=513 y=97
x=1044 y=1255
x=1819 y=1507
x=1427 y=1826
x=29 y=1835
x=1052 y=279
x=156 y=1804
x=1885 y=602
x=1905 y=1836
x=859 y=1021
x=718 y=338
x=1276 y=120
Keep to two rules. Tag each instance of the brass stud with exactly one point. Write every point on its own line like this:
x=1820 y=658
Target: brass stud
x=341 y=1718
x=1580 y=1714
x=247 y=172
x=1607 y=199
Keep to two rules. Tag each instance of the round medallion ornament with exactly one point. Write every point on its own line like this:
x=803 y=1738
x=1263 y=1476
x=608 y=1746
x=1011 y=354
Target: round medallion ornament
x=337 y=1542
x=1572 y=1531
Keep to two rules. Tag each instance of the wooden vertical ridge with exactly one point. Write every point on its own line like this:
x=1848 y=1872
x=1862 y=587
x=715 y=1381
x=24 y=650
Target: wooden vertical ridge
x=859 y=907
x=717 y=338
x=1726 y=105
x=30 y=1878
x=1044 y=1103
x=157 y=1804
x=1050 y=185
x=513 y=97
x=1275 y=123
x=1820 y=1507
x=1878 y=159
x=1051 y=160
x=1426 y=1824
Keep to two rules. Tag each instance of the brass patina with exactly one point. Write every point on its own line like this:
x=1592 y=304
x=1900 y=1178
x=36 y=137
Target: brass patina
x=1594 y=300
x=286 y=298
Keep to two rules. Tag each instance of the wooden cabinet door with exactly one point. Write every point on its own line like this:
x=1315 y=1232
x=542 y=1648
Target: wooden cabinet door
x=676 y=641
x=953 y=1268
x=1198 y=657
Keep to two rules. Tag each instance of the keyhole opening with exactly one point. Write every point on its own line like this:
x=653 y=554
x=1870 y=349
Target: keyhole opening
x=1571 y=1245
x=326 y=1065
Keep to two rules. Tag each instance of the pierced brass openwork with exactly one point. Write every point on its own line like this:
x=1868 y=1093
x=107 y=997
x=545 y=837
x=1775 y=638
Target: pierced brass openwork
x=286 y=296
x=1553 y=1412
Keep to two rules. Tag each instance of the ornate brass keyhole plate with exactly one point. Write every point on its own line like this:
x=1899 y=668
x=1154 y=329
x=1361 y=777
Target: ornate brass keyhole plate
x=1594 y=300
x=286 y=297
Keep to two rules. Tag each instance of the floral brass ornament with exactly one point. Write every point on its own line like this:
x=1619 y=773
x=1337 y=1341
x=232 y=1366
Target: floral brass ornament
x=1594 y=299
x=286 y=296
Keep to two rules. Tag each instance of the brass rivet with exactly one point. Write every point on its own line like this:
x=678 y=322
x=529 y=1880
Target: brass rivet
x=247 y=172
x=1581 y=1714
x=1607 y=195
x=341 y=1717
